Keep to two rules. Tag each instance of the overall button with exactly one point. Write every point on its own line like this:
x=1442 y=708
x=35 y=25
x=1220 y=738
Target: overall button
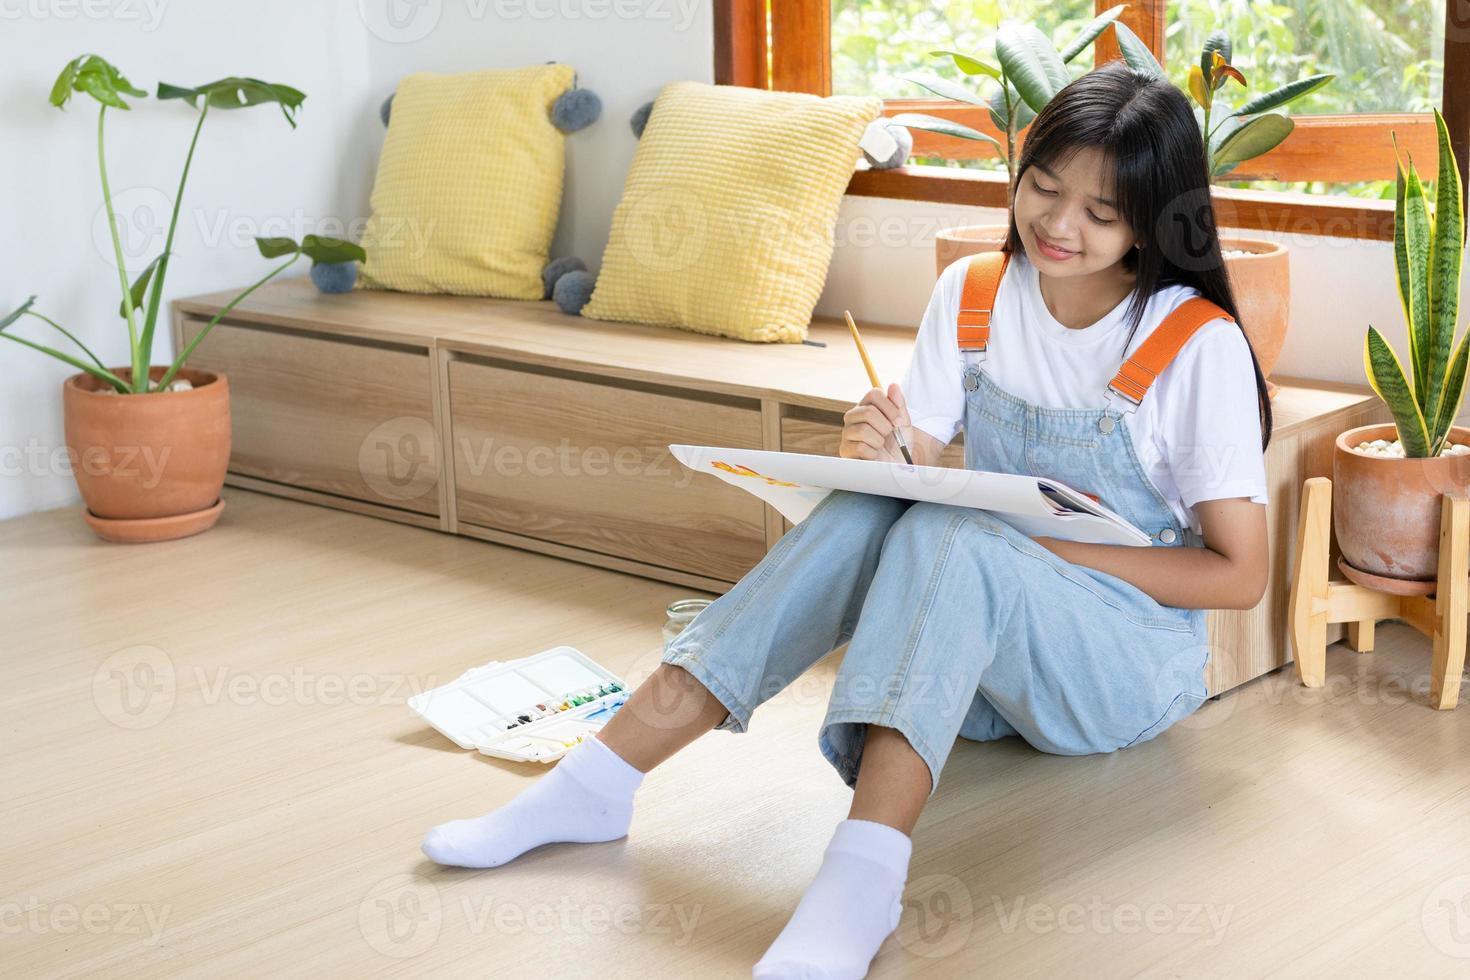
x=971 y=381
x=1106 y=423
x=1167 y=535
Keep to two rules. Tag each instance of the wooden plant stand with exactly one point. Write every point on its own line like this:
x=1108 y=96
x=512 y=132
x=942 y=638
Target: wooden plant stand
x=1440 y=613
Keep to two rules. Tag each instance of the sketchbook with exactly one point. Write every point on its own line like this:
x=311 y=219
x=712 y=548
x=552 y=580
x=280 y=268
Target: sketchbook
x=794 y=483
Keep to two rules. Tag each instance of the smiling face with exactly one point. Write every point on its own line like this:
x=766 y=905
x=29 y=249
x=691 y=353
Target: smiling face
x=1071 y=206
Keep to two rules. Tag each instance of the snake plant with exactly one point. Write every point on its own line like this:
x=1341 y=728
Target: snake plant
x=1427 y=249
x=94 y=76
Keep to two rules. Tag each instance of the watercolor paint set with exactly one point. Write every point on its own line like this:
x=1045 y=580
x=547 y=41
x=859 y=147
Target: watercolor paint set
x=529 y=710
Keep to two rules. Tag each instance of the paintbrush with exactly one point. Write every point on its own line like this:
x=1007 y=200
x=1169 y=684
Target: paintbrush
x=903 y=446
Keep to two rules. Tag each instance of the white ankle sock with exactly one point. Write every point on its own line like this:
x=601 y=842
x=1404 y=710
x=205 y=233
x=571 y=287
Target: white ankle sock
x=852 y=905
x=586 y=797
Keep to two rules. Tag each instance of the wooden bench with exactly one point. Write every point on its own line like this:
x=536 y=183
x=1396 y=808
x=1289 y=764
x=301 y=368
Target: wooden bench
x=515 y=423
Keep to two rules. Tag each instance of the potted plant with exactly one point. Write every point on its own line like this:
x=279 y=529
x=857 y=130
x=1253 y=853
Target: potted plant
x=1030 y=71
x=1258 y=269
x=149 y=444
x=1386 y=495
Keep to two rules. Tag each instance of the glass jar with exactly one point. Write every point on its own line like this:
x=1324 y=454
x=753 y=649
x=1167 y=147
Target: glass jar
x=681 y=613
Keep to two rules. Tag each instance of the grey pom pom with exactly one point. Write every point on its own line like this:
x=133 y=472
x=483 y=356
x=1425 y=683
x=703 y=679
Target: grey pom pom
x=905 y=149
x=334 y=277
x=557 y=268
x=640 y=118
x=573 y=290
x=574 y=109
x=385 y=110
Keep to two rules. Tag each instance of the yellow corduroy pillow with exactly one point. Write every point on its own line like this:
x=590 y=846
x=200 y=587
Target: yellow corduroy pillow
x=469 y=184
x=727 y=218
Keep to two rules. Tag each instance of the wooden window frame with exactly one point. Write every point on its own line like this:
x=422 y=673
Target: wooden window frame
x=799 y=55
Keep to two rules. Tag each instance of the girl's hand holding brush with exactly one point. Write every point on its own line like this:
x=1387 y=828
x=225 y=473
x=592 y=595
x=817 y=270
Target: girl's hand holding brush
x=890 y=408
x=870 y=427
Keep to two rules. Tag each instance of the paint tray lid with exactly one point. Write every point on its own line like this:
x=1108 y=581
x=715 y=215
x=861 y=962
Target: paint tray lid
x=564 y=693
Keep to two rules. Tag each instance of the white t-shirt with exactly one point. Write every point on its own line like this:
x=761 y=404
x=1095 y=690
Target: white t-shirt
x=1197 y=432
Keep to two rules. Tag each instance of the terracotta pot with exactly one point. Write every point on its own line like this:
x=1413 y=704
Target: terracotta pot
x=150 y=467
x=1261 y=282
x=1385 y=512
x=955 y=243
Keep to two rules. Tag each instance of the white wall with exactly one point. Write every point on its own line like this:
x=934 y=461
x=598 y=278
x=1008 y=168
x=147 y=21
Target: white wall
x=254 y=175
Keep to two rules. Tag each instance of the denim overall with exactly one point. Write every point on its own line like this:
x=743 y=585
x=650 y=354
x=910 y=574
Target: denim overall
x=958 y=624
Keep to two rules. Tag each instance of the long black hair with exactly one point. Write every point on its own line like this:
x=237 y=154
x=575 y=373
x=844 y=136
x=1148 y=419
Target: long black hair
x=1145 y=126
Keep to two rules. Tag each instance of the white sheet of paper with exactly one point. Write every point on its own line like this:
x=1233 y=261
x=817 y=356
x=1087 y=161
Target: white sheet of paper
x=794 y=483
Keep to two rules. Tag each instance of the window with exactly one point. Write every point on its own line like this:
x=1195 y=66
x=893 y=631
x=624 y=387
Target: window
x=1394 y=60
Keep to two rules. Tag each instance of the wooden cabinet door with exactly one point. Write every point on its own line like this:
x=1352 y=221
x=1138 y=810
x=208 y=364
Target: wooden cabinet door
x=348 y=417
x=584 y=461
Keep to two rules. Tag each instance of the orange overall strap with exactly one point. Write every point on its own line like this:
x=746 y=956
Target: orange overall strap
x=982 y=282
x=1154 y=354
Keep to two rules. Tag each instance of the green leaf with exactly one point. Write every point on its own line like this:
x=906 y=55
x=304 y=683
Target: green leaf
x=1030 y=63
x=1254 y=138
x=1446 y=250
x=319 y=248
x=1417 y=229
x=968 y=65
x=1217 y=41
x=140 y=288
x=274 y=248
x=937 y=124
x=1289 y=92
x=1386 y=375
x=1454 y=393
x=17 y=313
x=1019 y=108
x=1135 y=52
x=96 y=77
x=1401 y=269
x=946 y=88
x=1091 y=31
x=237 y=92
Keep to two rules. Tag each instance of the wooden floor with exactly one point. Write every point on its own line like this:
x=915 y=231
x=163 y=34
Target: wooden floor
x=210 y=771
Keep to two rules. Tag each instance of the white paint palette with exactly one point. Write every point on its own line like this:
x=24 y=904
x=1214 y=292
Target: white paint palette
x=529 y=710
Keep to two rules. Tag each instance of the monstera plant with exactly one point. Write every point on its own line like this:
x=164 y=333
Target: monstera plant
x=1388 y=479
x=179 y=416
